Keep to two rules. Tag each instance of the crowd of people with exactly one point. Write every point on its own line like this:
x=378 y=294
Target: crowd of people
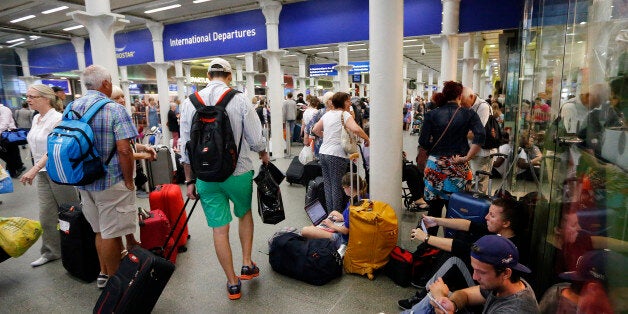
x=481 y=266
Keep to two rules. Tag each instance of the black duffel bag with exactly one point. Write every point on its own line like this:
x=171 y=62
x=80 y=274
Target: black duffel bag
x=269 y=201
x=315 y=261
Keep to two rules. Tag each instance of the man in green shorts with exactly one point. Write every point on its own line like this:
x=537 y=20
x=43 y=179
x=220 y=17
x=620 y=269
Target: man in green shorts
x=238 y=188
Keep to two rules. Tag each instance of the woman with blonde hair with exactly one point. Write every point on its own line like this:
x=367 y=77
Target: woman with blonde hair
x=42 y=98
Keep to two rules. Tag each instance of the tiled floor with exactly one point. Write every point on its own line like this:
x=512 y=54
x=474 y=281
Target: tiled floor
x=198 y=284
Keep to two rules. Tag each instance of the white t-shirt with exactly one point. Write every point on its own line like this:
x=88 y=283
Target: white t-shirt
x=331 y=133
x=38 y=135
x=504 y=149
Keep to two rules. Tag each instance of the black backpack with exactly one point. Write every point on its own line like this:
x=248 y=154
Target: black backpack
x=315 y=261
x=493 y=132
x=212 y=149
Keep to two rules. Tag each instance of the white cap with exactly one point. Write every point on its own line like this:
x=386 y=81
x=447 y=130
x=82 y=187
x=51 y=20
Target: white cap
x=219 y=65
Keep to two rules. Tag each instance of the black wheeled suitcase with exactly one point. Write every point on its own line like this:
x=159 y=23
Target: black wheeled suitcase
x=137 y=285
x=78 y=246
x=294 y=174
x=311 y=170
x=316 y=191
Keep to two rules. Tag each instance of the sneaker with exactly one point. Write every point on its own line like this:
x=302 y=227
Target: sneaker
x=101 y=281
x=40 y=261
x=407 y=304
x=249 y=272
x=233 y=291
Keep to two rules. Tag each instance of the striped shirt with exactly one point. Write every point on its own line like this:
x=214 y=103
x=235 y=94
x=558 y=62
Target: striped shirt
x=110 y=124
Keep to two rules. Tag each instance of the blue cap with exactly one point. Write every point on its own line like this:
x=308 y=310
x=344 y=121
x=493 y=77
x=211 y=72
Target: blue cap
x=497 y=251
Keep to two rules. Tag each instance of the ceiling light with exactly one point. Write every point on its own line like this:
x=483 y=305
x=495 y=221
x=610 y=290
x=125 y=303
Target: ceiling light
x=240 y=56
x=21 y=42
x=316 y=48
x=360 y=49
x=325 y=52
x=492 y=46
x=408 y=46
x=73 y=28
x=582 y=23
x=353 y=45
x=57 y=9
x=15 y=40
x=28 y=17
x=409 y=40
x=286 y=56
x=200 y=1
x=174 y=6
x=579 y=41
x=33 y=37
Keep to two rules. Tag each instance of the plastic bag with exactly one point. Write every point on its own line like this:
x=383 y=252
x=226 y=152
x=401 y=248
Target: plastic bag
x=269 y=201
x=17 y=234
x=306 y=155
x=6 y=184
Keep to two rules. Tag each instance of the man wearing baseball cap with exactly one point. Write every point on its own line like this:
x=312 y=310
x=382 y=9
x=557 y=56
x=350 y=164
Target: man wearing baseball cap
x=238 y=187
x=496 y=268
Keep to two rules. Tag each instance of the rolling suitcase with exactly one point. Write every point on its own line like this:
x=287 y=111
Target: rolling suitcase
x=160 y=171
x=294 y=174
x=311 y=170
x=154 y=230
x=140 y=278
x=78 y=244
x=169 y=199
x=316 y=191
x=471 y=206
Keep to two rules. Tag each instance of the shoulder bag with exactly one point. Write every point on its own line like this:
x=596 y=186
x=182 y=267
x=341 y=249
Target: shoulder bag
x=348 y=140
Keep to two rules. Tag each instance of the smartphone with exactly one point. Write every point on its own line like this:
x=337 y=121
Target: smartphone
x=423 y=226
x=436 y=302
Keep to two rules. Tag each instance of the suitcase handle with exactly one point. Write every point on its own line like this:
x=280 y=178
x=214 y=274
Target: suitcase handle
x=174 y=226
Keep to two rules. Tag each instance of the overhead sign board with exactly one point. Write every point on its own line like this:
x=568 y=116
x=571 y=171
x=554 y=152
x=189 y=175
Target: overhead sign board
x=323 y=69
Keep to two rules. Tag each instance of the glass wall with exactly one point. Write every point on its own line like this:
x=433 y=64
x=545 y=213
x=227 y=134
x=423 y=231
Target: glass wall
x=572 y=148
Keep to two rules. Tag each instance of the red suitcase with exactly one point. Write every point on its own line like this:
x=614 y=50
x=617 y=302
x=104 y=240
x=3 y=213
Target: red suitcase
x=169 y=199
x=153 y=233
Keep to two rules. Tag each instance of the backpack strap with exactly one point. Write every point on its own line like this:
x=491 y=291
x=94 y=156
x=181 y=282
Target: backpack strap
x=197 y=101
x=223 y=101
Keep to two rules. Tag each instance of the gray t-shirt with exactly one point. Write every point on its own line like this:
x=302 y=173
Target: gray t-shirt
x=523 y=301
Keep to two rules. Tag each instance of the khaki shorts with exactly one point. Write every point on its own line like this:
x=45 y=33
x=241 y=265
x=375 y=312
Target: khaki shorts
x=110 y=212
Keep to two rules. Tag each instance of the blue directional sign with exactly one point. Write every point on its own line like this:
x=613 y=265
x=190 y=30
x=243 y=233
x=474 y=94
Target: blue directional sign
x=323 y=69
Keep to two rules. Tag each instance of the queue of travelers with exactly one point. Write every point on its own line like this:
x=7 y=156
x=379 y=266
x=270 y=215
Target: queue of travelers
x=481 y=270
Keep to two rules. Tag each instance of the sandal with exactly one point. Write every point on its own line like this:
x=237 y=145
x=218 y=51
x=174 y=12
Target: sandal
x=415 y=207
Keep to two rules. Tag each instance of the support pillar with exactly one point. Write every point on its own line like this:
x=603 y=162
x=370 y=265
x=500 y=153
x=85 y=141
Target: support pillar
x=239 y=81
x=448 y=41
x=406 y=80
x=386 y=59
x=79 y=48
x=430 y=85
x=477 y=70
x=178 y=75
x=600 y=13
x=101 y=25
x=419 y=81
x=124 y=85
x=161 y=71
x=313 y=87
x=343 y=68
x=302 y=73
x=271 y=10
x=250 y=75
x=26 y=70
x=188 y=78
x=468 y=61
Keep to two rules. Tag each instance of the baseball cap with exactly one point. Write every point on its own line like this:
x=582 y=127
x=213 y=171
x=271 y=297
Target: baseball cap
x=594 y=265
x=497 y=251
x=219 y=65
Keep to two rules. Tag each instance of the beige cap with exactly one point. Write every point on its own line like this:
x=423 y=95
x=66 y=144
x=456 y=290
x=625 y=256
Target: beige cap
x=219 y=65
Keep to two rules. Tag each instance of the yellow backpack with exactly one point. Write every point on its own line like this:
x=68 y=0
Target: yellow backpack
x=372 y=236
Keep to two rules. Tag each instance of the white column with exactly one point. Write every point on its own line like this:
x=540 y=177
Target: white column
x=271 y=10
x=26 y=70
x=343 y=68
x=313 y=86
x=477 y=70
x=302 y=72
x=406 y=80
x=430 y=84
x=468 y=61
x=448 y=41
x=239 y=81
x=101 y=25
x=161 y=71
x=124 y=85
x=386 y=59
x=79 y=48
x=250 y=75
x=178 y=75
x=188 y=78
x=419 y=81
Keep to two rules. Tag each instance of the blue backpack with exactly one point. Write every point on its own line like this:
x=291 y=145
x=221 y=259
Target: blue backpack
x=72 y=157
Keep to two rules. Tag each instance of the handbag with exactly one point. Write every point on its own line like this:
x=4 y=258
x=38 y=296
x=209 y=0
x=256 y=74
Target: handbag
x=14 y=136
x=348 y=140
x=423 y=154
x=269 y=202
